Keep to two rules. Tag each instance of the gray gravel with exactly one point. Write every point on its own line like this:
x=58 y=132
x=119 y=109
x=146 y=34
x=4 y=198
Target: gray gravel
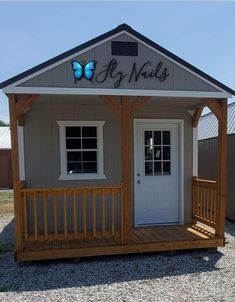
x=187 y=276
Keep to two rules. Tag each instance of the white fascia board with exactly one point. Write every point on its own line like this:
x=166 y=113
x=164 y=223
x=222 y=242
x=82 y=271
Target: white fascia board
x=101 y=42
x=109 y=91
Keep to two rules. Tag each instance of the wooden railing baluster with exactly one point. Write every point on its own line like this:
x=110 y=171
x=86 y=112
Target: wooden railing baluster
x=103 y=212
x=65 y=215
x=45 y=215
x=25 y=216
x=74 y=213
x=94 y=212
x=84 y=213
x=55 y=216
x=35 y=215
x=113 y=212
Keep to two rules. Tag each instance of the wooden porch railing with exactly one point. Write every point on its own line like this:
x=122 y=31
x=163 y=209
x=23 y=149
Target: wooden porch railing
x=204 y=201
x=71 y=213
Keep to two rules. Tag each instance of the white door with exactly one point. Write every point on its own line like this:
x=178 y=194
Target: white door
x=157 y=177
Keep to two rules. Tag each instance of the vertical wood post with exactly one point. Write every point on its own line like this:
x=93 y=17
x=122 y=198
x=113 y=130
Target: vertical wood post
x=221 y=170
x=15 y=172
x=126 y=155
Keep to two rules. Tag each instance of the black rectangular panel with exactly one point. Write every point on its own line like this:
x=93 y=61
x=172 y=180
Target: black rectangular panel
x=124 y=48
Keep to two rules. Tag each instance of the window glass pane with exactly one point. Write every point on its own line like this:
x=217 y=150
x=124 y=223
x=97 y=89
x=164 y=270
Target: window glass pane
x=89 y=156
x=89 y=132
x=167 y=168
x=74 y=156
x=73 y=143
x=148 y=168
x=157 y=168
x=166 y=138
x=148 y=153
x=74 y=168
x=73 y=131
x=166 y=153
x=89 y=143
x=157 y=137
x=148 y=137
x=89 y=167
x=157 y=153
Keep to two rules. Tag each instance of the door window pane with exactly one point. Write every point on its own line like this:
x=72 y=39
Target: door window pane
x=148 y=137
x=148 y=153
x=157 y=137
x=166 y=138
x=148 y=168
x=166 y=168
x=158 y=168
x=157 y=153
x=166 y=153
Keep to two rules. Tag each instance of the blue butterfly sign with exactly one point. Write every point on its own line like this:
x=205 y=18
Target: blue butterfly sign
x=86 y=71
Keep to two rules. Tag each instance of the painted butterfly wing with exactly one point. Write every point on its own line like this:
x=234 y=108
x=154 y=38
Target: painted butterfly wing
x=78 y=70
x=88 y=70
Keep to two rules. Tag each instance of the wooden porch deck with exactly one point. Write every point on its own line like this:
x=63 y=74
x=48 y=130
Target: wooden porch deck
x=146 y=239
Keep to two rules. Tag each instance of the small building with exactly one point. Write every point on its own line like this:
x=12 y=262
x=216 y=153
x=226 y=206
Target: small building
x=5 y=158
x=207 y=154
x=108 y=134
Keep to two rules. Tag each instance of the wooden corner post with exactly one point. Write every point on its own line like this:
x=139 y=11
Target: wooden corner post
x=221 y=169
x=15 y=171
x=126 y=155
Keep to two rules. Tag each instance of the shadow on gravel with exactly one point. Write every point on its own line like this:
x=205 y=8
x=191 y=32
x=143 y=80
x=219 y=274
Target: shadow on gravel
x=7 y=237
x=230 y=227
x=49 y=275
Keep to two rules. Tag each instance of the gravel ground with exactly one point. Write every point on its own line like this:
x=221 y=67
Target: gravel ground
x=196 y=275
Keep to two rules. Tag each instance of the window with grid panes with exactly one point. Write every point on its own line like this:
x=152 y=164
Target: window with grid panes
x=82 y=150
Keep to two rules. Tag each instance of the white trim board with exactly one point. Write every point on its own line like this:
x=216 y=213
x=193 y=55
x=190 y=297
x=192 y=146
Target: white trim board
x=108 y=91
x=9 y=87
x=180 y=122
x=20 y=130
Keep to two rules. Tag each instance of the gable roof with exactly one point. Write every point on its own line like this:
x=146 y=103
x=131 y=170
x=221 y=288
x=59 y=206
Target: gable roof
x=208 y=124
x=121 y=28
x=5 y=138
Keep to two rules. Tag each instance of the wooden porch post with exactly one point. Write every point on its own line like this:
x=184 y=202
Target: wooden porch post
x=15 y=172
x=126 y=155
x=221 y=169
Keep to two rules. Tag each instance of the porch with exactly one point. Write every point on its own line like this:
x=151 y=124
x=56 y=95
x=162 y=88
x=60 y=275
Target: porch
x=92 y=224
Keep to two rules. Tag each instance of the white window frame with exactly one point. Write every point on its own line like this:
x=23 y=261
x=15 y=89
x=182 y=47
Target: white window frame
x=63 y=158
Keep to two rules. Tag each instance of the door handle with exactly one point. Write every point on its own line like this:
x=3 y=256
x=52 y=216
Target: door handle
x=138 y=181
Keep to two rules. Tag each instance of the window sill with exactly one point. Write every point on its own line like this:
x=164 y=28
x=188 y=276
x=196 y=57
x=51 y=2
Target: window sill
x=82 y=176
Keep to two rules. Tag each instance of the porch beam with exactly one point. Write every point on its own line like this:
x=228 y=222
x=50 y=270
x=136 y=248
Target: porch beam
x=221 y=169
x=214 y=106
x=23 y=103
x=112 y=103
x=15 y=171
x=196 y=116
x=126 y=155
x=139 y=103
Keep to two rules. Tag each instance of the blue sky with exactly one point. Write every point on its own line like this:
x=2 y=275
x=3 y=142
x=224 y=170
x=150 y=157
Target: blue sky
x=202 y=33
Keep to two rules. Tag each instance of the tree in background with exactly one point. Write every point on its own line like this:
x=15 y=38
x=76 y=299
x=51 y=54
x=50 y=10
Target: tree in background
x=2 y=124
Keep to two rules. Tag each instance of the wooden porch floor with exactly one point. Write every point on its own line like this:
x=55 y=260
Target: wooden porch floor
x=145 y=239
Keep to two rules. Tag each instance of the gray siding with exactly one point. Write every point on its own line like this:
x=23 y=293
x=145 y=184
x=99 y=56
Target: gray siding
x=207 y=168
x=42 y=140
x=62 y=75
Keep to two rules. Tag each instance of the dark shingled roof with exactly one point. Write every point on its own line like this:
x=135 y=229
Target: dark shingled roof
x=120 y=28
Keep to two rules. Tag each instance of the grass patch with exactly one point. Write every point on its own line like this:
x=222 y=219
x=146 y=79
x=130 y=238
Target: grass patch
x=6 y=202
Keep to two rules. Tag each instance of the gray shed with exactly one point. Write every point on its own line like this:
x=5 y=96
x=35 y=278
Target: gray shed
x=104 y=151
x=207 y=153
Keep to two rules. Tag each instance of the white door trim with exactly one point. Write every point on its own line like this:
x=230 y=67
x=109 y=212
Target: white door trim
x=180 y=122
